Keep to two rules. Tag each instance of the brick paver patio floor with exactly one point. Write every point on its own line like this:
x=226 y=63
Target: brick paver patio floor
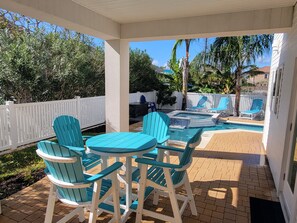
x=223 y=176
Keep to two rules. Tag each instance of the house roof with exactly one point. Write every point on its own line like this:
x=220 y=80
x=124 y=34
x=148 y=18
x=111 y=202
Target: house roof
x=265 y=69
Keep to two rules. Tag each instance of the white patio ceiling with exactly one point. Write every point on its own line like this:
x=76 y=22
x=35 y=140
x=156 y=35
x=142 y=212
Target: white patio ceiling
x=131 y=11
x=161 y=19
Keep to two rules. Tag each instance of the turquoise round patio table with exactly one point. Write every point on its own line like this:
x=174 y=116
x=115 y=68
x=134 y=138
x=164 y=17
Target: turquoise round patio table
x=122 y=144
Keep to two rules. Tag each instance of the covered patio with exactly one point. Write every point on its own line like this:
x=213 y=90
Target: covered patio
x=227 y=172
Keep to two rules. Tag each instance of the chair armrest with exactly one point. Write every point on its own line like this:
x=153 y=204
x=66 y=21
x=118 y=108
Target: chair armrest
x=76 y=149
x=161 y=141
x=104 y=172
x=170 y=148
x=156 y=163
x=86 y=137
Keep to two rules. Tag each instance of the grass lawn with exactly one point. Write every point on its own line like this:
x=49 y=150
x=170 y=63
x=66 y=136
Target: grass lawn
x=19 y=169
x=22 y=168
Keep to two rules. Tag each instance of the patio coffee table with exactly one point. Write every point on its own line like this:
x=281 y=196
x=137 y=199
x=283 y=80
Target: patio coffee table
x=122 y=144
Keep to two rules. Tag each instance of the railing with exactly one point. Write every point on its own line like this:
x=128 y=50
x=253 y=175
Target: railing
x=22 y=124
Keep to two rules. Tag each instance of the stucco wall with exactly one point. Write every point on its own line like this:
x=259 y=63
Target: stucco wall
x=275 y=132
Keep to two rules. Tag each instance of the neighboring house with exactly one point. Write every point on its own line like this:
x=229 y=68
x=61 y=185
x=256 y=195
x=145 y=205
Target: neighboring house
x=258 y=83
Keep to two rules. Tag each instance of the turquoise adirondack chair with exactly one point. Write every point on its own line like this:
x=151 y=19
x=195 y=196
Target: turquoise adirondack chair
x=156 y=124
x=200 y=104
x=68 y=132
x=256 y=109
x=71 y=186
x=223 y=105
x=165 y=178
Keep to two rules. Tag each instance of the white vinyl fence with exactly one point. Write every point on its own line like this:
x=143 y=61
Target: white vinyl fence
x=21 y=124
x=149 y=96
x=213 y=100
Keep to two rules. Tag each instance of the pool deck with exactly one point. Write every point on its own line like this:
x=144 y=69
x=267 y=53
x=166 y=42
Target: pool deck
x=223 y=176
x=242 y=120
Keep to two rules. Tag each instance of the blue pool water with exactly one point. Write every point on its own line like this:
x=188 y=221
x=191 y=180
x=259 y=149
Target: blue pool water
x=186 y=134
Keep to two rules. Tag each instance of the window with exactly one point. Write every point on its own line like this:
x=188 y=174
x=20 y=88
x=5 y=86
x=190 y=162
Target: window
x=277 y=87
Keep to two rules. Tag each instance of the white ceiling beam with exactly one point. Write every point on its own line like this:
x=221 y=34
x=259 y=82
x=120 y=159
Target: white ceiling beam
x=66 y=13
x=230 y=24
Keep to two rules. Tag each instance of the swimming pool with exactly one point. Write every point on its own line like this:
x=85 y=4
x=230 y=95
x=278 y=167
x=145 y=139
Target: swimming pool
x=184 y=134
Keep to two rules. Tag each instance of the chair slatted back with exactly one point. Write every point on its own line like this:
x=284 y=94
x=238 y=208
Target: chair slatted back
x=257 y=104
x=66 y=172
x=223 y=104
x=202 y=101
x=68 y=132
x=156 y=124
x=186 y=156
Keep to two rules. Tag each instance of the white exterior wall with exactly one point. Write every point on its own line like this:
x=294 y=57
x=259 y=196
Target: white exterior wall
x=275 y=132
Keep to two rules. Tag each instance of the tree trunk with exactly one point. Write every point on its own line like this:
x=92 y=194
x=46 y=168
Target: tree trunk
x=185 y=84
x=237 y=92
x=205 y=51
x=185 y=75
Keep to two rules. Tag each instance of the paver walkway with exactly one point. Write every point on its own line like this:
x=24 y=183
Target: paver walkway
x=223 y=176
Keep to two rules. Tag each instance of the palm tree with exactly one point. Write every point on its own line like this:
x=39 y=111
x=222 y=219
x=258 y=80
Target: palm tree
x=236 y=54
x=185 y=66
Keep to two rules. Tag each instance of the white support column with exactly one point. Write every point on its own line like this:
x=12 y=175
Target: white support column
x=117 y=85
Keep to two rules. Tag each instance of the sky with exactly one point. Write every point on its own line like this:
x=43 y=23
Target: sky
x=160 y=51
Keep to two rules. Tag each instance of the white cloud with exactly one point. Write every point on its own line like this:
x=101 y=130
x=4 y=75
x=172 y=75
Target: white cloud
x=155 y=62
x=263 y=59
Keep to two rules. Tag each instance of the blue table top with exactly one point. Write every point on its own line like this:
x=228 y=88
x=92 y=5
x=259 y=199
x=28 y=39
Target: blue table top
x=121 y=142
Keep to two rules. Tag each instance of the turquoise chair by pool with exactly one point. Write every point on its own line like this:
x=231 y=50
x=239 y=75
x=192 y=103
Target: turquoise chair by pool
x=164 y=179
x=223 y=106
x=68 y=132
x=71 y=186
x=200 y=104
x=156 y=124
x=255 y=110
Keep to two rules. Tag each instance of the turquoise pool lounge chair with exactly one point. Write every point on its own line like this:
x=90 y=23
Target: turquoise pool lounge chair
x=68 y=132
x=164 y=179
x=71 y=186
x=255 y=110
x=222 y=107
x=200 y=104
